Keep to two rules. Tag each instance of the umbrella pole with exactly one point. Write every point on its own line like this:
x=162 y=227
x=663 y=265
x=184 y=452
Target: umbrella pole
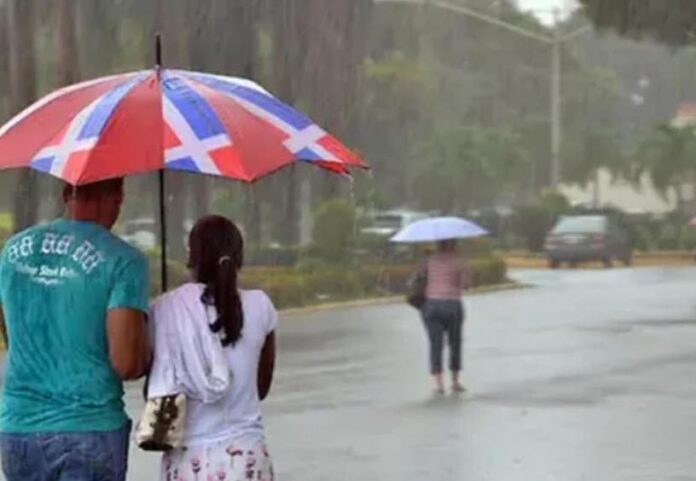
x=163 y=231
x=162 y=189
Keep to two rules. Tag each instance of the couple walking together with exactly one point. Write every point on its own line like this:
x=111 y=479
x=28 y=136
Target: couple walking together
x=75 y=315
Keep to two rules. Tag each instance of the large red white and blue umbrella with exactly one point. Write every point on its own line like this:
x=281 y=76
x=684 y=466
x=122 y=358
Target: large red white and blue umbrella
x=166 y=120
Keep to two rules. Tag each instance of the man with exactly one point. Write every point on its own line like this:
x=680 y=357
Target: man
x=74 y=298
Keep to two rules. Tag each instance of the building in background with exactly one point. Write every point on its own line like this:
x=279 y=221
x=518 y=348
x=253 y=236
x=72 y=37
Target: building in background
x=622 y=194
x=608 y=191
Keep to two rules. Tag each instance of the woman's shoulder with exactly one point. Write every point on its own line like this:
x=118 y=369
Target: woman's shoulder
x=259 y=310
x=256 y=298
x=184 y=290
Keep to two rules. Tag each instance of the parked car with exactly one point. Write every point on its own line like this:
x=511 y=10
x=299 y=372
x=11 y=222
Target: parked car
x=387 y=223
x=585 y=238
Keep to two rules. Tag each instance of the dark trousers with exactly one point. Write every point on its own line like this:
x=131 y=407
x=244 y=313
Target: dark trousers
x=444 y=318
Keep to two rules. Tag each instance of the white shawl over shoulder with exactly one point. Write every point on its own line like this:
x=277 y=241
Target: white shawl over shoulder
x=188 y=357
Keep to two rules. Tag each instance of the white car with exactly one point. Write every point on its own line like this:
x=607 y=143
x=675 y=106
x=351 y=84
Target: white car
x=144 y=233
x=388 y=223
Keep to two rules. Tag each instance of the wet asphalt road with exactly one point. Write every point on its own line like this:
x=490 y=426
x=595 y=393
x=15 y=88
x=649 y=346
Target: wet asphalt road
x=587 y=376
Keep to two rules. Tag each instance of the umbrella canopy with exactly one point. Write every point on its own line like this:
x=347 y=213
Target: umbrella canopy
x=439 y=229
x=166 y=120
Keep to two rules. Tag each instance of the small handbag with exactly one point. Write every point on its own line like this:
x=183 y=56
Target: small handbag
x=416 y=297
x=161 y=426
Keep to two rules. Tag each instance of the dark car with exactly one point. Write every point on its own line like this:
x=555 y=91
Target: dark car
x=586 y=238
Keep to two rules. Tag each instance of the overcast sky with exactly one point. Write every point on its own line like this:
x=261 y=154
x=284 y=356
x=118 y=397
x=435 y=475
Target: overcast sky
x=544 y=8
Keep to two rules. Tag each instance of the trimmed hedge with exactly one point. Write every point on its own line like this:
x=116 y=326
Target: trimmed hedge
x=295 y=288
x=315 y=283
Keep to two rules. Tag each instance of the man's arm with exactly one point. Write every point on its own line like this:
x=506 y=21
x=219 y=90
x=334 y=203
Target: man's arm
x=129 y=348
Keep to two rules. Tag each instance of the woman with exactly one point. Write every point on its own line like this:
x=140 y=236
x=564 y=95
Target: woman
x=225 y=366
x=443 y=311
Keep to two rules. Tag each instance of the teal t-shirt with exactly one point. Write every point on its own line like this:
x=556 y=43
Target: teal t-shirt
x=57 y=282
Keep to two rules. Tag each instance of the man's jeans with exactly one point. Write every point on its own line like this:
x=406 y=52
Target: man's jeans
x=89 y=456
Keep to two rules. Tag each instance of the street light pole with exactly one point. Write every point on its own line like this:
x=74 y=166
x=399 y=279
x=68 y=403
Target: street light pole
x=556 y=120
x=555 y=42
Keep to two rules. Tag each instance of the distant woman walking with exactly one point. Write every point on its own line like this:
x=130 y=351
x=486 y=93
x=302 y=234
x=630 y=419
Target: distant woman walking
x=443 y=311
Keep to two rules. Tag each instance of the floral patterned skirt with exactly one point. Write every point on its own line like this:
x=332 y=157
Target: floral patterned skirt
x=223 y=461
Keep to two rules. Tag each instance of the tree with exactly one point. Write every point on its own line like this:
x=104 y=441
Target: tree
x=4 y=64
x=591 y=115
x=468 y=167
x=671 y=22
x=221 y=39
x=333 y=233
x=667 y=156
x=68 y=49
x=430 y=73
x=393 y=110
x=20 y=34
x=68 y=66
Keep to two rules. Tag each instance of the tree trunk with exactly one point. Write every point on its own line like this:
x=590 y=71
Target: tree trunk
x=68 y=50
x=68 y=73
x=20 y=34
x=335 y=51
x=4 y=65
x=287 y=72
x=290 y=229
x=252 y=216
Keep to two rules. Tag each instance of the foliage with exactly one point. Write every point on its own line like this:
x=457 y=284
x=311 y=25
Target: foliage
x=554 y=202
x=333 y=231
x=671 y=22
x=670 y=233
x=320 y=282
x=667 y=155
x=176 y=271
x=591 y=115
x=294 y=288
x=465 y=168
x=532 y=222
x=6 y=222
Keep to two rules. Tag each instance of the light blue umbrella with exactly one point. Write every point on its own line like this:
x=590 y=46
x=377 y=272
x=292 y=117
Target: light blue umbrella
x=439 y=229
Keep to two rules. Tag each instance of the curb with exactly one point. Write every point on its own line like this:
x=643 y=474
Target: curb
x=385 y=301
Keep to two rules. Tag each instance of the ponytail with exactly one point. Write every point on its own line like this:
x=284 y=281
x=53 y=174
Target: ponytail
x=216 y=257
x=223 y=292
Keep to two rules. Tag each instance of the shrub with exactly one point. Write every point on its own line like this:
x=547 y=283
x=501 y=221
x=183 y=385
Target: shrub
x=5 y=234
x=488 y=271
x=532 y=223
x=6 y=222
x=333 y=232
x=315 y=281
x=271 y=256
x=285 y=290
x=177 y=272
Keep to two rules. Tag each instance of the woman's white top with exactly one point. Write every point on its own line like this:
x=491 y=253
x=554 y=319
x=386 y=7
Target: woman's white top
x=220 y=382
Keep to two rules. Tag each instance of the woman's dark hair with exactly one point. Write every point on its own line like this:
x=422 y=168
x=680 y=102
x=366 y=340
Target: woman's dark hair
x=216 y=253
